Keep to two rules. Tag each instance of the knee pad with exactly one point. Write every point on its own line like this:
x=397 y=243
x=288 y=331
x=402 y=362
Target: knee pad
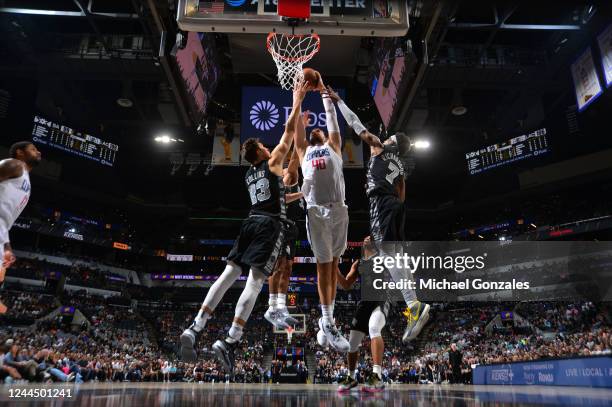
x=376 y=323
x=355 y=339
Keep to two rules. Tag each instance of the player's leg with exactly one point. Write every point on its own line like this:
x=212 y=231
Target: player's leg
x=213 y=297
x=283 y=287
x=224 y=349
x=320 y=234
x=376 y=324
x=350 y=382
x=272 y=315
x=387 y=221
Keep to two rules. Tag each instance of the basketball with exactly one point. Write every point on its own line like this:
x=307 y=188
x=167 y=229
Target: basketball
x=310 y=75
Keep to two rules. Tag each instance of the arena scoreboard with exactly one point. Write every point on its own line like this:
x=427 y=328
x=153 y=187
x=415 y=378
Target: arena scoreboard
x=515 y=149
x=66 y=139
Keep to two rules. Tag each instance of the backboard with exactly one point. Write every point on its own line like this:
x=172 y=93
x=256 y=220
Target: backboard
x=361 y=18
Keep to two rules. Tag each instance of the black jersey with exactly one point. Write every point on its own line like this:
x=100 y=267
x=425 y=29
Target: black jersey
x=383 y=172
x=267 y=191
x=295 y=210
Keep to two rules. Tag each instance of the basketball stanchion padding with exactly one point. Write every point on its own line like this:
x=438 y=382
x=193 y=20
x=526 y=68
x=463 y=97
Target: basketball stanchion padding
x=298 y=9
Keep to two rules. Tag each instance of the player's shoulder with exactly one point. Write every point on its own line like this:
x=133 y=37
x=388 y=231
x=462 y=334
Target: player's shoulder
x=12 y=164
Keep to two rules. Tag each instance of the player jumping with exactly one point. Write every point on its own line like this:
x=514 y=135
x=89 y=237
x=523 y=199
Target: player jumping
x=326 y=213
x=386 y=192
x=259 y=243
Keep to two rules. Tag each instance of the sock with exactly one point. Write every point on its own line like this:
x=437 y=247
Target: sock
x=327 y=313
x=281 y=301
x=200 y=320
x=272 y=301
x=377 y=370
x=235 y=333
x=333 y=305
x=412 y=303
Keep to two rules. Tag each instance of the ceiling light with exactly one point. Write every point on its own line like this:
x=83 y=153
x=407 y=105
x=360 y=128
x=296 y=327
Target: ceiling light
x=125 y=102
x=422 y=144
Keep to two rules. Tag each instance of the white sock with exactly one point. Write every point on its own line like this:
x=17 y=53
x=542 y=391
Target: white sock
x=235 y=333
x=333 y=305
x=378 y=370
x=327 y=313
x=272 y=301
x=281 y=301
x=200 y=320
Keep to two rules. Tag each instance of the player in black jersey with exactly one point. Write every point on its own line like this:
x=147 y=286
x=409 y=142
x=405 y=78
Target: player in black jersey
x=370 y=318
x=259 y=243
x=386 y=192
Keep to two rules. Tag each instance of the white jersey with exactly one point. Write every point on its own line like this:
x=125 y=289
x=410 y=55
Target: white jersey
x=14 y=196
x=323 y=176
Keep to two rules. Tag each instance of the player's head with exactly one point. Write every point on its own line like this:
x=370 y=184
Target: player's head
x=369 y=248
x=317 y=136
x=25 y=151
x=402 y=141
x=255 y=152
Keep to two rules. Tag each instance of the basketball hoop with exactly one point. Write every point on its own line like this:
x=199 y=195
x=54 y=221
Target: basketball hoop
x=290 y=52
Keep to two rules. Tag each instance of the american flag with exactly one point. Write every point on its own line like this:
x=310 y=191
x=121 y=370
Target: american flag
x=208 y=7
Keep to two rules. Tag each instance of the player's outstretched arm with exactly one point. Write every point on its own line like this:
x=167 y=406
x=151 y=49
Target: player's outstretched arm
x=280 y=151
x=10 y=168
x=333 y=129
x=353 y=121
x=401 y=188
x=292 y=176
x=292 y=197
x=348 y=281
x=301 y=144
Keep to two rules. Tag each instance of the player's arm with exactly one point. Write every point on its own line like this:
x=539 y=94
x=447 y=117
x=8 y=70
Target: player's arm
x=333 y=129
x=353 y=121
x=292 y=176
x=400 y=188
x=348 y=281
x=10 y=168
x=280 y=151
x=292 y=197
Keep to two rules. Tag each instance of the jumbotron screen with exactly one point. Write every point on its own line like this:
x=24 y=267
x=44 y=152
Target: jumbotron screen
x=515 y=149
x=66 y=139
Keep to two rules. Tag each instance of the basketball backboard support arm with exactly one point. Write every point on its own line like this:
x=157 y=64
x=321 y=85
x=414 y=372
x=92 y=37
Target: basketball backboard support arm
x=194 y=15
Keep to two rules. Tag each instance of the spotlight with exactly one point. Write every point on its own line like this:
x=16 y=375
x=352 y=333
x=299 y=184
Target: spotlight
x=163 y=139
x=421 y=144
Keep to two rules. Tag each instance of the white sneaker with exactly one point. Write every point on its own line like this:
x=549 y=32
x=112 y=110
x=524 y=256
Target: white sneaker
x=275 y=318
x=321 y=338
x=286 y=316
x=335 y=338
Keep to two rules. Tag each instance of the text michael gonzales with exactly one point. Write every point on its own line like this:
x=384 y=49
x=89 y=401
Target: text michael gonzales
x=458 y=264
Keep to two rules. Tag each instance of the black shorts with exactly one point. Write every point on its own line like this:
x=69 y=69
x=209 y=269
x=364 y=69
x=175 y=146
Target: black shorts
x=387 y=218
x=259 y=244
x=291 y=235
x=361 y=320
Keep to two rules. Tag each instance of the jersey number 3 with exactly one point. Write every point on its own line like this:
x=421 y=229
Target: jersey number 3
x=260 y=191
x=394 y=172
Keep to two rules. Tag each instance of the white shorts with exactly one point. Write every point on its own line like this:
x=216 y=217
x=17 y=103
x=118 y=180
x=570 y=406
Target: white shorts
x=327 y=229
x=4 y=235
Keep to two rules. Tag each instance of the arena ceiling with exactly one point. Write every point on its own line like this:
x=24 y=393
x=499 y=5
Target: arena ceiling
x=505 y=61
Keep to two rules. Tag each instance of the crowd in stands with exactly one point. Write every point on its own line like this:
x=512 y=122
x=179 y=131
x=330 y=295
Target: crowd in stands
x=116 y=342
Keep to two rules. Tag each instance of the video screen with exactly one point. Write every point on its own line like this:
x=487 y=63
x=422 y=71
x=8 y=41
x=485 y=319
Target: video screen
x=197 y=63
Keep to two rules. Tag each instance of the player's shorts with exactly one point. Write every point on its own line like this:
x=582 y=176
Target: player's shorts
x=327 y=228
x=259 y=244
x=361 y=320
x=4 y=234
x=387 y=218
x=292 y=233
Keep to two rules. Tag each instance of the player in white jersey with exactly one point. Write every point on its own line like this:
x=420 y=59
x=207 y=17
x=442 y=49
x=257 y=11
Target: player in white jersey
x=14 y=193
x=326 y=213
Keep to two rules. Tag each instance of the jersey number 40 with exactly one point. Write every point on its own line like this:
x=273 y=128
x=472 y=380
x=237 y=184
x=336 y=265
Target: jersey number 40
x=318 y=163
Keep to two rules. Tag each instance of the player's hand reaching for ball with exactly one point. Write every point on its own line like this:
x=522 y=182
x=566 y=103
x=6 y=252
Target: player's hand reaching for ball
x=301 y=88
x=306 y=118
x=332 y=94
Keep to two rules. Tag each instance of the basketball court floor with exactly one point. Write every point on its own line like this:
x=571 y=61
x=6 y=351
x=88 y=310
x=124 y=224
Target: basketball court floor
x=221 y=394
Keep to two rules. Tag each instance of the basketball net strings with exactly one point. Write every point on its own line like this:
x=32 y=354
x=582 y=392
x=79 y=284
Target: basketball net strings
x=291 y=54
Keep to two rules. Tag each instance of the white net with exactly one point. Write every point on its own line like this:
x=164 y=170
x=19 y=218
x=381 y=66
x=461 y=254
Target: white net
x=290 y=52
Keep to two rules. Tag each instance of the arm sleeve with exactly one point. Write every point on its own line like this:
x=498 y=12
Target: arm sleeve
x=330 y=115
x=351 y=118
